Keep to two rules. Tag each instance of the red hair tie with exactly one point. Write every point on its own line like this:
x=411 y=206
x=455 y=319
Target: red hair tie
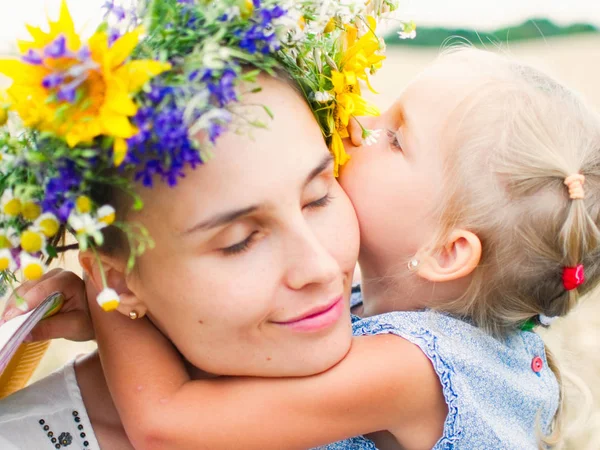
x=573 y=277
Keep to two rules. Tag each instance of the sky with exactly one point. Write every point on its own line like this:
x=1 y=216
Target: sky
x=480 y=14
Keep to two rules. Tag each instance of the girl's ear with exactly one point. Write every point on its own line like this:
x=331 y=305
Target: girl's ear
x=114 y=269
x=455 y=260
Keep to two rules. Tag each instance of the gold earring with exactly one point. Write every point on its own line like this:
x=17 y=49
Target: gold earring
x=133 y=315
x=413 y=265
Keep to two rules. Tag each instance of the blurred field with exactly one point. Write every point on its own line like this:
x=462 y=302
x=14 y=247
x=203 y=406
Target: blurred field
x=575 y=339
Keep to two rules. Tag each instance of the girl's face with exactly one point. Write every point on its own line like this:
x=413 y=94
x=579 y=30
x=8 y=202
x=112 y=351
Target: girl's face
x=254 y=251
x=394 y=184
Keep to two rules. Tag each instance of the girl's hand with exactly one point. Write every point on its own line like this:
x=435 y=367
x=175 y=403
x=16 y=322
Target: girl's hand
x=71 y=322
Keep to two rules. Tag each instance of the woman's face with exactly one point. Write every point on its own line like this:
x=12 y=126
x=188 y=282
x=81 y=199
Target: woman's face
x=255 y=250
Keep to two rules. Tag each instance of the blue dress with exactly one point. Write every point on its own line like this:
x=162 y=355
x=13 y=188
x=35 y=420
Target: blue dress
x=495 y=389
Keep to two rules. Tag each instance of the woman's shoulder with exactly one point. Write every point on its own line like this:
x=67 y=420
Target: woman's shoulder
x=47 y=414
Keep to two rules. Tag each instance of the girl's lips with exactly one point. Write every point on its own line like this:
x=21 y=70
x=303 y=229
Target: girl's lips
x=317 y=318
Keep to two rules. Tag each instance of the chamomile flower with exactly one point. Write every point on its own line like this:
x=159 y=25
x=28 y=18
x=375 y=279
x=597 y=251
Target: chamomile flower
x=11 y=205
x=106 y=215
x=323 y=96
x=32 y=268
x=31 y=210
x=85 y=227
x=9 y=238
x=7 y=262
x=371 y=137
x=48 y=224
x=33 y=240
x=108 y=299
x=409 y=30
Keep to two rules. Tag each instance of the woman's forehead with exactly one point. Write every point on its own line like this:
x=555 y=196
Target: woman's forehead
x=250 y=166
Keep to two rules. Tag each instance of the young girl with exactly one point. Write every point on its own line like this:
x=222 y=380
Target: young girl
x=479 y=221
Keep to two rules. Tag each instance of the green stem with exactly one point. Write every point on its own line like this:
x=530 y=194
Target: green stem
x=100 y=267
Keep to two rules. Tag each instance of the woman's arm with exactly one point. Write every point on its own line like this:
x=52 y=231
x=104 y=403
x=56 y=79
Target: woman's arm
x=382 y=383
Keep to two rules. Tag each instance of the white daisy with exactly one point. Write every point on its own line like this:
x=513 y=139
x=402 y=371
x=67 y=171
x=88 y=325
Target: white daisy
x=108 y=299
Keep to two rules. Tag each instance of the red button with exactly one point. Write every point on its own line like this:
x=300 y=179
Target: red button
x=537 y=364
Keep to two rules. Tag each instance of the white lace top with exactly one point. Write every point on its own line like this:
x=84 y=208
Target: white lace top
x=49 y=414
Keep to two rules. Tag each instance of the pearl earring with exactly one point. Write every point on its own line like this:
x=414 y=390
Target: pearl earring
x=413 y=265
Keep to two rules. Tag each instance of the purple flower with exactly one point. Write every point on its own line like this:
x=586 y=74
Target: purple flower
x=61 y=189
x=261 y=35
x=162 y=147
x=223 y=88
x=113 y=36
x=32 y=57
x=57 y=48
x=53 y=80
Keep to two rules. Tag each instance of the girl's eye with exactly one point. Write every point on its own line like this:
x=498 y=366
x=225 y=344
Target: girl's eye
x=242 y=246
x=323 y=201
x=393 y=140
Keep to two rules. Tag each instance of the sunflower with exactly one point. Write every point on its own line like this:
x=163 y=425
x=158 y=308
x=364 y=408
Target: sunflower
x=75 y=90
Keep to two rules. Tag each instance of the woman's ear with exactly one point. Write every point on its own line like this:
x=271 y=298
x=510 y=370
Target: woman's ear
x=116 y=278
x=455 y=260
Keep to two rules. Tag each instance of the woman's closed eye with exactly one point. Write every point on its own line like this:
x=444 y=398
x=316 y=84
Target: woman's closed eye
x=320 y=203
x=241 y=246
x=393 y=140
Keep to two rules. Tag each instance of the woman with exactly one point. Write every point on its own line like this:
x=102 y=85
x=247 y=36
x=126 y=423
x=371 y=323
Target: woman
x=295 y=317
x=226 y=313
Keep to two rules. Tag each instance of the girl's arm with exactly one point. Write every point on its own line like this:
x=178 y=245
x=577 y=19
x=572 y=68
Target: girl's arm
x=383 y=383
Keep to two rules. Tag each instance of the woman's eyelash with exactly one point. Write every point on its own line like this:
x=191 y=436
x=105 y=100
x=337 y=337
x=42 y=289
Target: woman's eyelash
x=244 y=245
x=240 y=247
x=393 y=139
x=323 y=201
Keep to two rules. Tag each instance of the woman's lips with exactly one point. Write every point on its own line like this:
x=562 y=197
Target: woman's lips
x=317 y=318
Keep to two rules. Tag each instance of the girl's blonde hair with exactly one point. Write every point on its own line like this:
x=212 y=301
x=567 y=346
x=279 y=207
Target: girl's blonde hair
x=513 y=140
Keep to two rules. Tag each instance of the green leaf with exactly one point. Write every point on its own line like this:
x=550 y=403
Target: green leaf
x=268 y=111
x=51 y=250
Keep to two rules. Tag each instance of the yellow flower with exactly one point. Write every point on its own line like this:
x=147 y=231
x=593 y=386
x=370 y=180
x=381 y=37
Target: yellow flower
x=361 y=55
x=76 y=90
x=31 y=210
x=48 y=224
x=330 y=26
x=32 y=241
x=246 y=8
x=32 y=268
x=4 y=105
x=348 y=103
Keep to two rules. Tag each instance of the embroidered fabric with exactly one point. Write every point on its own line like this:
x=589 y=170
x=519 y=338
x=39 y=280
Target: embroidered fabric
x=49 y=414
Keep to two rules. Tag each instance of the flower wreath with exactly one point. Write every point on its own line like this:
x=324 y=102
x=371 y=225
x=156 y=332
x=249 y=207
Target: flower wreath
x=131 y=95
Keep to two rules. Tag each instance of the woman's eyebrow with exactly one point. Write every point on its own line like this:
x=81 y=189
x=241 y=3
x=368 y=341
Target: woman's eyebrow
x=221 y=219
x=230 y=216
x=324 y=164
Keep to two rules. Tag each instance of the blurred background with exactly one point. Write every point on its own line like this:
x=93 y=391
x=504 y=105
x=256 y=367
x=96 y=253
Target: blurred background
x=558 y=37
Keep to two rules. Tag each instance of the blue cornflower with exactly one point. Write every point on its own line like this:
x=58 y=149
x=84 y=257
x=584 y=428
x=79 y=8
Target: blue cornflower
x=60 y=189
x=223 y=87
x=162 y=146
